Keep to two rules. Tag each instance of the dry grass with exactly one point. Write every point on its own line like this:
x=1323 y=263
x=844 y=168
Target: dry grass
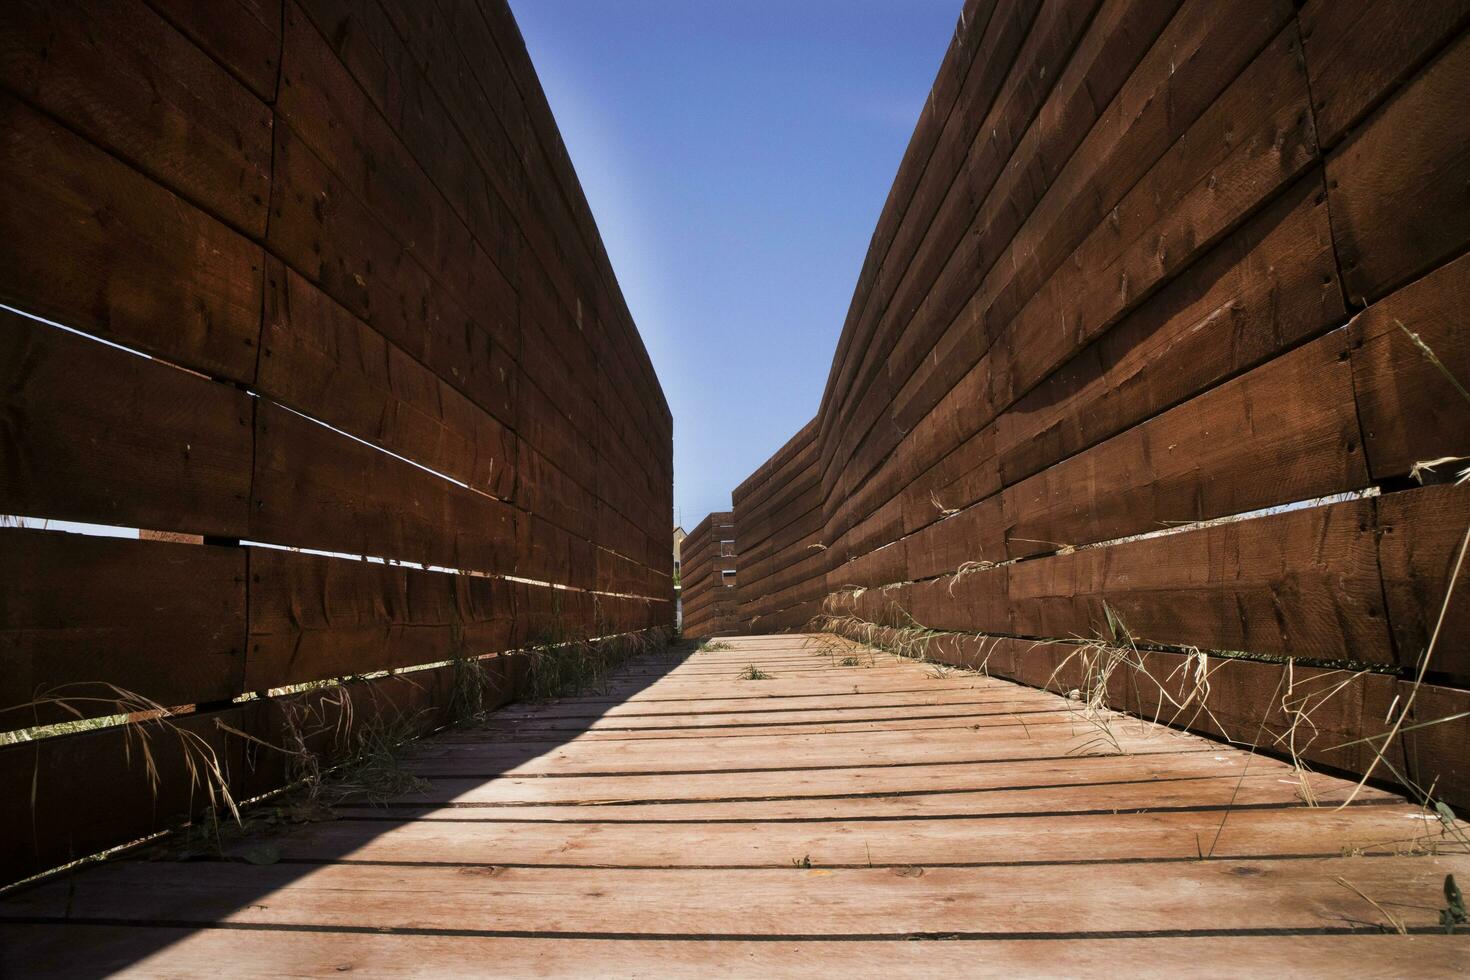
x=754 y=673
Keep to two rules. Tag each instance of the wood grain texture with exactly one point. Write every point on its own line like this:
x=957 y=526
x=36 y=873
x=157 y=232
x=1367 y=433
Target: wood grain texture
x=1397 y=187
x=1420 y=536
x=1301 y=583
x=102 y=435
x=79 y=613
x=124 y=78
x=88 y=241
x=242 y=35
x=1359 y=53
x=321 y=360
x=810 y=815
x=313 y=617
x=1411 y=411
x=317 y=488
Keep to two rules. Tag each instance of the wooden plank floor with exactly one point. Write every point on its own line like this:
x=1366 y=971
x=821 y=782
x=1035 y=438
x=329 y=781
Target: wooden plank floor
x=884 y=818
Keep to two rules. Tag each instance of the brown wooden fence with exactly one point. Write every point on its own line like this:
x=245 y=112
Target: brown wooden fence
x=366 y=312
x=710 y=567
x=1147 y=268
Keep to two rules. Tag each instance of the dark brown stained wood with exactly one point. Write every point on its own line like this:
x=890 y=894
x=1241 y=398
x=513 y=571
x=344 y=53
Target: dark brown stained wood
x=555 y=357
x=623 y=575
x=452 y=152
x=547 y=553
x=320 y=228
x=1411 y=412
x=975 y=534
x=317 y=488
x=1271 y=284
x=320 y=359
x=1254 y=139
x=545 y=490
x=164 y=620
x=102 y=435
x=549 y=616
x=1047 y=205
x=877 y=269
x=92 y=243
x=545 y=427
x=1242 y=701
x=1420 y=536
x=976 y=600
x=1397 y=186
x=1436 y=749
x=50 y=816
x=966 y=475
x=1113 y=44
x=940 y=209
x=1203 y=459
x=125 y=79
x=1358 y=53
x=329 y=112
x=1303 y=583
x=313 y=617
x=242 y=35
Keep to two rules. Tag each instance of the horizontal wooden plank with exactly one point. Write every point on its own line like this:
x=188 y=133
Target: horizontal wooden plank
x=321 y=360
x=50 y=818
x=688 y=902
x=242 y=35
x=1411 y=411
x=88 y=241
x=83 y=618
x=1199 y=461
x=1358 y=53
x=269 y=953
x=1421 y=533
x=102 y=435
x=329 y=112
x=1397 y=186
x=320 y=489
x=1266 y=287
x=1302 y=583
x=313 y=617
x=125 y=79
x=321 y=228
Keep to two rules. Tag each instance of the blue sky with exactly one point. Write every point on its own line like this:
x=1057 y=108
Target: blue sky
x=736 y=154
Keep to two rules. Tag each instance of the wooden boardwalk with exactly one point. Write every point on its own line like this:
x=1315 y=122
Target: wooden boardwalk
x=835 y=819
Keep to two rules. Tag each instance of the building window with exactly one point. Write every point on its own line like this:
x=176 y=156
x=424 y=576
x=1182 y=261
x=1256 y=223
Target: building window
x=728 y=577
x=727 y=549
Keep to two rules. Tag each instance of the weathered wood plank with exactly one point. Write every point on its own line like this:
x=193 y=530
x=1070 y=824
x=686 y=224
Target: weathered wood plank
x=140 y=950
x=321 y=360
x=92 y=243
x=242 y=35
x=1266 y=287
x=323 y=230
x=102 y=435
x=1199 y=461
x=857 y=899
x=1302 y=583
x=82 y=617
x=121 y=76
x=317 y=488
x=1397 y=187
x=1412 y=413
x=1358 y=53
x=313 y=617
x=1420 y=537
